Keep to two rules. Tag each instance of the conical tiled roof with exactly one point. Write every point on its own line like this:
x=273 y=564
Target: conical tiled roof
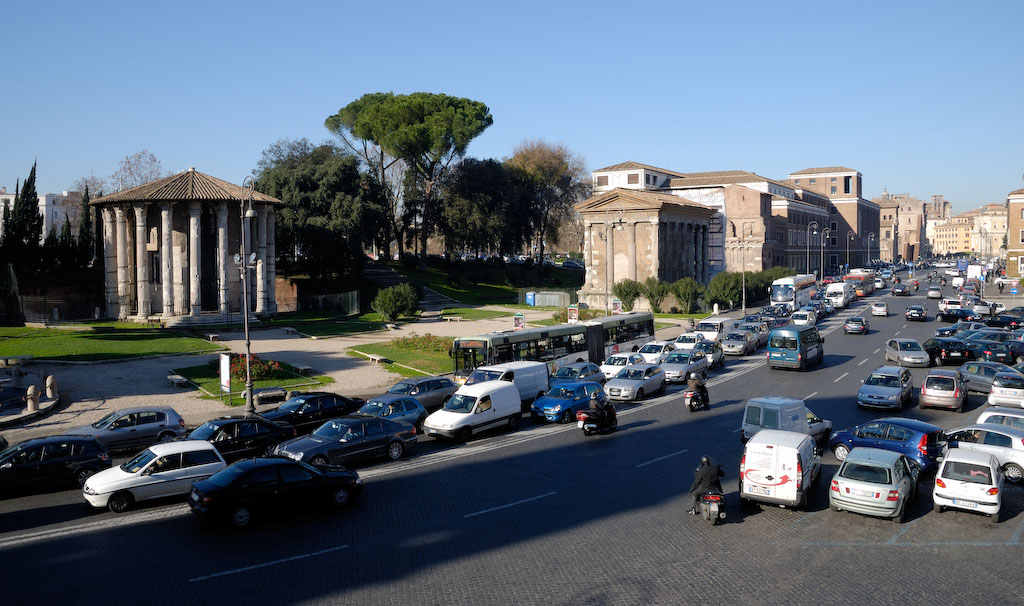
x=190 y=185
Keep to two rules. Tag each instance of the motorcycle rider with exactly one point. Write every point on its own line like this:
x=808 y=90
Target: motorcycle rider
x=705 y=479
x=696 y=383
x=916 y=285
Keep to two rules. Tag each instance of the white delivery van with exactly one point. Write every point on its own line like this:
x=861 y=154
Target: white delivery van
x=779 y=467
x=475 y=408
x=789 y=414
x=530 y=378
x=713 y=329
x=840 y=294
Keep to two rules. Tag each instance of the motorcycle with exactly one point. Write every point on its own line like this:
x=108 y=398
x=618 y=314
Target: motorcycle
x=593 y=421
x=712 y=506
x=916 y=286
x=693 y=400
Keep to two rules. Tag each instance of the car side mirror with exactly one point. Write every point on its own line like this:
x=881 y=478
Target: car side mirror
x=6 y=466
x=862 y=380
x=822 y=339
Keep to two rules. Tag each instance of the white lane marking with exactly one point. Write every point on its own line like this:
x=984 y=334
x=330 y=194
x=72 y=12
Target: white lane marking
x=878 y=350
x=477 y=513
x=810 y=395
x=265 y=564
x=678 y=452
x=896 y=334
x=904 y=326
x=861 y=363
x=128 y=520
x=840 y=377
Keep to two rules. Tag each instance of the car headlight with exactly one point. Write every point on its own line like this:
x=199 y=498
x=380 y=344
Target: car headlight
x=557 y=408
x=88 y=489
x=892 y=397
x=295 y=455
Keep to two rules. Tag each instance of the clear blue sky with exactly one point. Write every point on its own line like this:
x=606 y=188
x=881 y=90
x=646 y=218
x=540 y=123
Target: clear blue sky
x=921 y=97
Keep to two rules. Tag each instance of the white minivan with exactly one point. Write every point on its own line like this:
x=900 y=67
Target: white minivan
x=530 y=378
x=475 y=408
x=779 y=467
x=790 y=414
x=713 y=329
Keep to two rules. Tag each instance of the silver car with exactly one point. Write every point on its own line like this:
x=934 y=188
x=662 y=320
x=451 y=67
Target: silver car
x=979 y=374
x=906 y=352
x=739 y=343
x=1005 y=443
x=875 y=482
x=431 y=392
x=1008 y=389
x=634 y=382
x=655 y=351
x=131 y=427
x=679 y=364
x=943 y=388
x=886 y=387
x=760 y=330
x=405 y=409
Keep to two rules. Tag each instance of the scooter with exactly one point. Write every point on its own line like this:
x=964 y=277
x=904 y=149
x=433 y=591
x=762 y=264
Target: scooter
x=694 y=400
x=593 y=421
x=712 y=506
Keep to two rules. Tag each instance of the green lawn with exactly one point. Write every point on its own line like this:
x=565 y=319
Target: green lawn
x=475 y=313
x=108 y=344
x=8 y=332
x=427 y=353
x=207 y=377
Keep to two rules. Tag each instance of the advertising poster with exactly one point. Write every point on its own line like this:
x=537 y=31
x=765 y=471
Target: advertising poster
x=225 y=373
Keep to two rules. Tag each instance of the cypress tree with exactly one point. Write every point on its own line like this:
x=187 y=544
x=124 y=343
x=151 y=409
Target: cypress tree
x=85 y=237
x=26 y=224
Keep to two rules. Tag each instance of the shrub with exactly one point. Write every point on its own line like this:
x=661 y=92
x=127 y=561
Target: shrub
x=395 y=301
x=687 y=292
x=628 y=291
x=562 y=316
x=655 y=290
x=259 y=368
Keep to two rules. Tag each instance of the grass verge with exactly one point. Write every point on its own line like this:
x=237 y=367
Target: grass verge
x=110 y=344
x=427 y=353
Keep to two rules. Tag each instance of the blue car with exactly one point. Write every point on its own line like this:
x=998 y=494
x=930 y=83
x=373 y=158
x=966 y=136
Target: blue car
x=917 y=440
x=561 y=402
x=576 y=373
x=405 y=409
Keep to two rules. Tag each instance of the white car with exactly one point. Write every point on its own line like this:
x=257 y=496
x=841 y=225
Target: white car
x=968 y=480
x=617 y=362
x=804 y=318
x=655 y=351
x=688 y=340
x=880 y=308
x=162 y=470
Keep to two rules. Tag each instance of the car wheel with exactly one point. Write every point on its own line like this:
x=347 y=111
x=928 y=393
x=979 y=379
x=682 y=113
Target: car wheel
x=341 y=497
x=614 y=424
x=901 y=517
x=841 y=451
x=121 y=502
x=937 y=508
x=83 y=474
x=395 y=450
x=167 y=435
x=240 y=516
x=661 y=390
x=639 y=395
x=513 y=421
x=567 y=417
x=1013 y=473
x=463 y=435
x=318 y=461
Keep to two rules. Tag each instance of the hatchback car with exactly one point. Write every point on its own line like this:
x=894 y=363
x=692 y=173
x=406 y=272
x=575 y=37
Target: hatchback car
x=957 y=315
x=352 y=438
x=713 y=352
x=760 y=330
x=430 y=392
x=688 y=340
x=906 y=352
x=617 y=362
x=886 y=387
x=945 y=350
x=403 y=409
x=655 y=351
x=968 y=480
x=934 y=292
x=999 y=415
x=162 y=470
x=131 y=427
x=943 y=388
x=804 y=318
x=979 y=375
x=875 y=482
x=305 y=412
x=739 y=343
x=577 y=372
x=989 y=351
x=918 y=441
x=1003 y=442
x=240 y=437
x=880 y=308
x=1007 y=389
x=856 y=325
x=635 y=382
x=51 y=462
x=562 y=401
x=900 y=290
x=916 y=312
x=256 y=486
x=679 y=364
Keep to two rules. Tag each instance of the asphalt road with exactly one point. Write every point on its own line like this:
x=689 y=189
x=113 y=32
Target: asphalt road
x=545 y=515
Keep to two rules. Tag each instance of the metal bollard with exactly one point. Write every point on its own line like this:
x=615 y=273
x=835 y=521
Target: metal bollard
x=32 y=399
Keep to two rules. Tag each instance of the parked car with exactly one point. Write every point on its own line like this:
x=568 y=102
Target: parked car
x=999 y=415
x=943 y=350
x=305 y=412
x=1003 y=442
x=739 y=343
x=562 y=401
x=968 y=480
x=880 y=308
x=635 y=382
x=989 y=351
x=257 y=486
x=875 y=482
x=575 y=373
x=856 y=325
x=403 y=409
x=1007 y=389
x=131 y=427
x=239 y=437
x=906 y=352
x=713 y=352
x=351 y=438
x=430 y=392
x=655 y=351
x=979 y=374
x=919 y=441
x=934 y=292
x=688 y=340
x=916 y=312
x=886 y=387
x=679 y=364
x=162 y=470
x=943 y=388
x=617 y=362
x=51 y=462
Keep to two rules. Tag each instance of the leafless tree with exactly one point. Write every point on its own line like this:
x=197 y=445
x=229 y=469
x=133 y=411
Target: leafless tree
x=136 y=169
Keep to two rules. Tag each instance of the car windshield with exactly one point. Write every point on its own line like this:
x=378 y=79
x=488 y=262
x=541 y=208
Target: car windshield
x=678 y=358
x=708 y=326
x=650 y=348
x=479 y=376
x=562 y=393
x=687 y=339
x=631 y=374
x=373 y=407
x=615 y=361
x=567 y=372
x=967 y=472
x=331 y=430
x=940 y=383
x=910 y=346
x=778 y=342
x=203 y=432
x=864 y=473
x=882 y=380
x=879 y=305
x=460 y=403
x=402 y=388
x=292 y=405
x=134 y=464
x=855 y=321
x=107 y=420
x=735 y=336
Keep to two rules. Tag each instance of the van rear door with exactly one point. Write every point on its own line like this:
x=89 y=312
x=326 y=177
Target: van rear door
x=760 y=470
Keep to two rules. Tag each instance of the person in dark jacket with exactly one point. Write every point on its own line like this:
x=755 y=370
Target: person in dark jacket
x=696 y=382
x=705 y=478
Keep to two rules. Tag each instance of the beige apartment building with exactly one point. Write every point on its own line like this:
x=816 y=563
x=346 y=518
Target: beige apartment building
x=1015 y=233
x=954 y=236
x=902 y=225
x=990 y=226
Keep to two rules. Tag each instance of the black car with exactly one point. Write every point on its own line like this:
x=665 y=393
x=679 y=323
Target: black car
x=955 y=329
x=242 y=437
x=958 y=315
x=51 y=462
x=1005 y=321
x=1016 y=347
x=256 y=486
x=350 y=439
x=944 y=350
x=305 y=412
x=776 y=311
x=916 y=312
x=900 y=290
x=989 y=351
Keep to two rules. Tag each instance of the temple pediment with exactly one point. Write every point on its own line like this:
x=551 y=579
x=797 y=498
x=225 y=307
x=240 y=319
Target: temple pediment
x=627 y=200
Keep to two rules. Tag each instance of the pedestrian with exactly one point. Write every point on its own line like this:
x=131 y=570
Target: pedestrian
x=1000 y=288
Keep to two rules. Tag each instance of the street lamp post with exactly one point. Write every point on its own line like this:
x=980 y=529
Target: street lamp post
x=807 y=262
x=743 y=267
x=849 y=238
x=871 y=236
x=821 y=262
x=244 y=265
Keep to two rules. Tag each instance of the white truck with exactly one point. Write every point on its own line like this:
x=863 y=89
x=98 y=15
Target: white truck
x=840 y=294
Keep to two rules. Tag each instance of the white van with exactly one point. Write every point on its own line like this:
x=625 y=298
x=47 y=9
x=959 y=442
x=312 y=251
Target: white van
x=789 y=414
x=530 y=378
x=475 y=408
x=779 y=467
x=713 y=329
x=840 y=293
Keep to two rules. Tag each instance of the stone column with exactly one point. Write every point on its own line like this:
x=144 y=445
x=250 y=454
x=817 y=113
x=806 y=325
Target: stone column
x=122 y=263
x=631 y=249
x=223 y=258
x=166 y=262
x=194 y=294
x=609 y=268
x=702 y=244
x=110 y=261
x=658 y=229
x=271 y=260
x=141 y=262
x=261 y=259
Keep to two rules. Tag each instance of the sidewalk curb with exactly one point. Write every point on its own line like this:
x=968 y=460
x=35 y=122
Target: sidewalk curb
x=59 y=404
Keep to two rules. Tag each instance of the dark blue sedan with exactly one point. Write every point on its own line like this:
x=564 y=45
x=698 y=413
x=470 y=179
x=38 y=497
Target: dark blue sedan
x=561 y=402
x=917 y=440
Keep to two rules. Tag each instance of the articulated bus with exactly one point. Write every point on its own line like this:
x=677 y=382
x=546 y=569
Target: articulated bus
x=863 y=281
x=592 y=340
x=794 y=291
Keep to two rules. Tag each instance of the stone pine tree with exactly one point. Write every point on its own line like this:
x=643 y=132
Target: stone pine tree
x=25 y=227
x=85 y=233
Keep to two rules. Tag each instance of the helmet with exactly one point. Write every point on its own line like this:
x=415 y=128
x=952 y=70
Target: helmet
x=705 y=460
x=694 y=376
